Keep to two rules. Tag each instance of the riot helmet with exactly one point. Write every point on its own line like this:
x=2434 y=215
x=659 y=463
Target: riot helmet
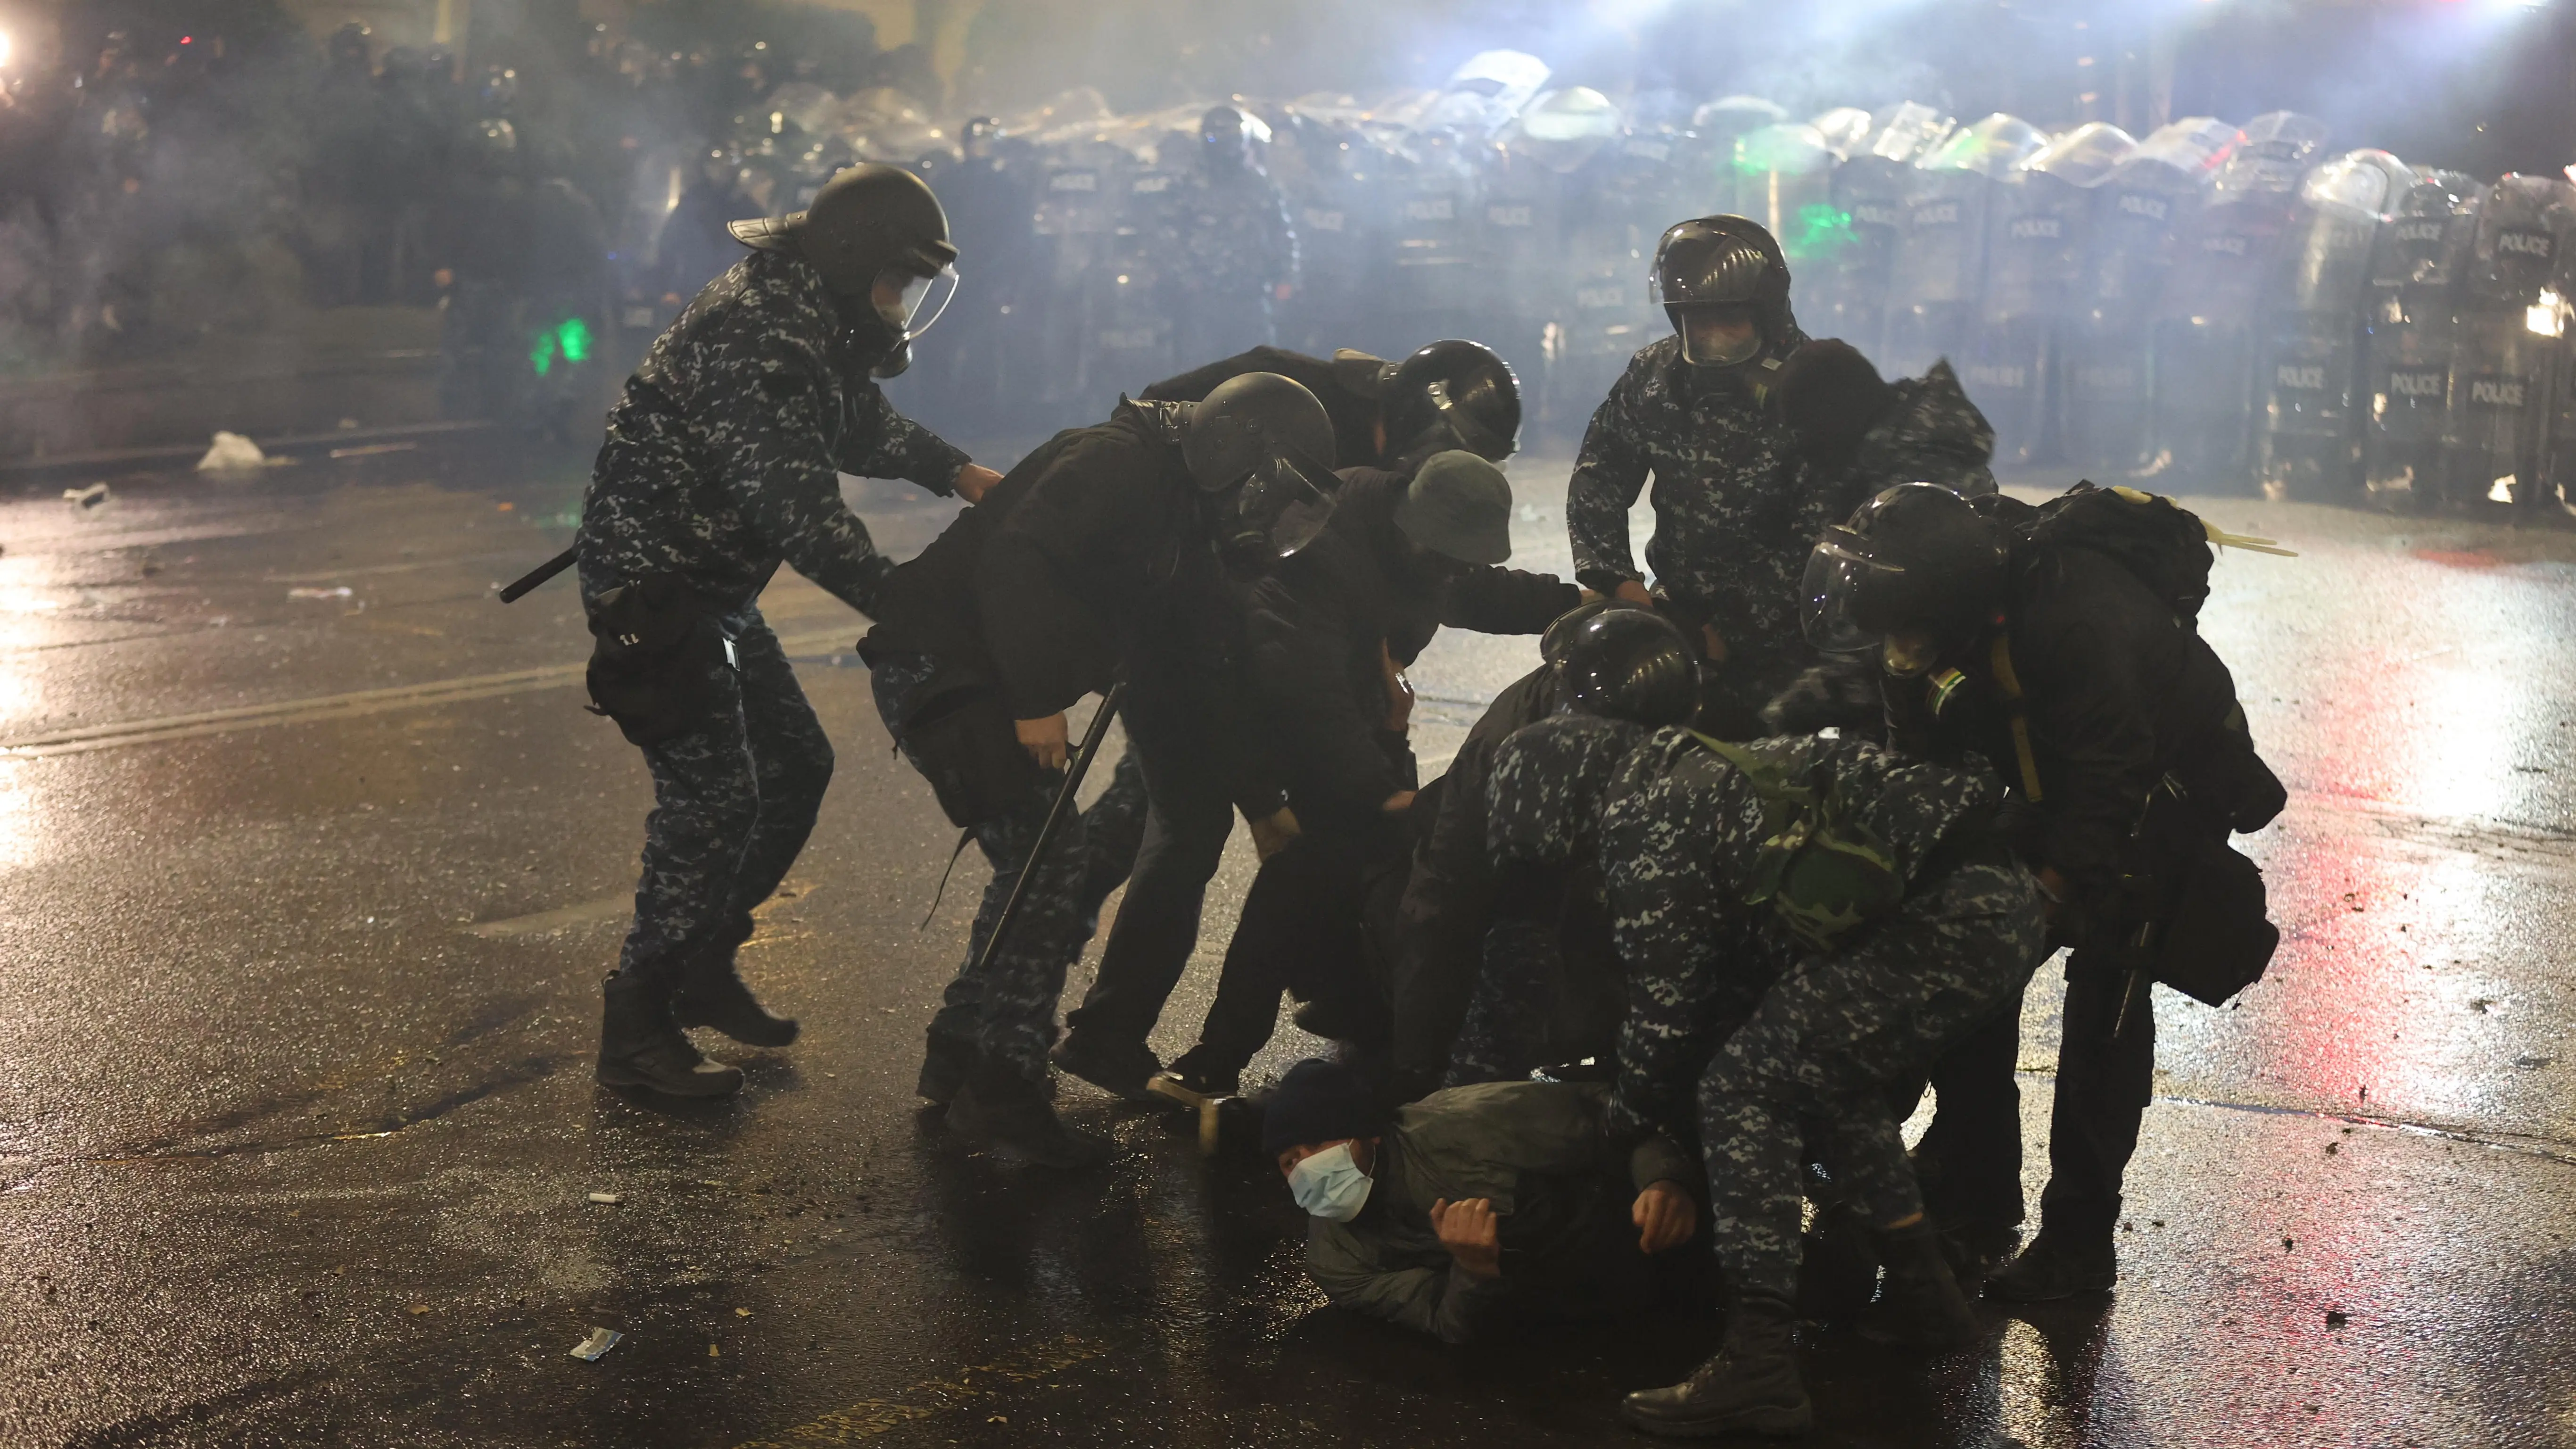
x=1225 y=139
x=492 y=146
x=1626 y=663
x=496 y=94
x=1258 y=447
x=880 y=240
x=1452 y=394
x=1714 y=273
x=1916 y=570
x=351 y=48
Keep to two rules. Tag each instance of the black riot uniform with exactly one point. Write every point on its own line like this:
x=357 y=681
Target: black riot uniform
x=1725 y=469
x=1405 y=554
x=1449 y=394
x=720 y=465
x=2118 y=729
x=1110 y=554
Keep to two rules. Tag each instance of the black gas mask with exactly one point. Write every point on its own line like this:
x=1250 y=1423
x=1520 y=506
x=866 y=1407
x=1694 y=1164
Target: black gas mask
x=1256 y=448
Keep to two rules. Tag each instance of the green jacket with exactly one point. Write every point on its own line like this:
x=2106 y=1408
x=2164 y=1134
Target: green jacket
x=1532 y=1148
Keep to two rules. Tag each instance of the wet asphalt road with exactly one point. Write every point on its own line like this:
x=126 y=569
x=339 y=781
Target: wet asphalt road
x=304 y=897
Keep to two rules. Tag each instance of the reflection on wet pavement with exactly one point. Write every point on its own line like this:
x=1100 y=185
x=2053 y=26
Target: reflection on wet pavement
x=297 y=1135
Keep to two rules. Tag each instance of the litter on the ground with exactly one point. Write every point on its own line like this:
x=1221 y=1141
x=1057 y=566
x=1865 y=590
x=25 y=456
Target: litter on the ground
x=714 y=1352
x=599 y=1341
x=231 y=450
x=369 y=450
x=90 y=497
x=610 y=1198
x=341 y=592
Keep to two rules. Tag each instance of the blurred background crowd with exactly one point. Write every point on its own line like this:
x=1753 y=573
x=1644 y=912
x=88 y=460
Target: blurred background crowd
x=2134 y=260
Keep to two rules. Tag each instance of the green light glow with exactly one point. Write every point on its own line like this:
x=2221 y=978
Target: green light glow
x=568 y=340
x=1819 y=231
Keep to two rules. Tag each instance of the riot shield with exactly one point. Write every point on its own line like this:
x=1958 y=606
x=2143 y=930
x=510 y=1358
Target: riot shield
x=1132 y=297
x=2410 y=330
x=2206 y=341
x=2308 y=382
x=2136 y=211
x=2039 y=240
x=1842 y=292
x=1940 y=272
x=2507 y=372
x=1707 y=155
x=1432 y=192
x=1079 y=198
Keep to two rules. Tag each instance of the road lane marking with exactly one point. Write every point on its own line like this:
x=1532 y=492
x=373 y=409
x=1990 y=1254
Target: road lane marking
x=85 y=738
x=588 y=913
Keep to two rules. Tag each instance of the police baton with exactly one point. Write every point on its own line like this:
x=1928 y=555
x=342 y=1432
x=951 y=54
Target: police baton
x=1073 y=774
x=2137 y=984
x=540 y=574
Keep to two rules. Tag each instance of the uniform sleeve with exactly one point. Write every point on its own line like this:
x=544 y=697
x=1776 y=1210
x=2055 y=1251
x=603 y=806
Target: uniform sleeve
x=1506 y=601
x=1609 y=473
x=1657 y=1159
x=1447 y=1302
x=883 y=443
x=777 y=462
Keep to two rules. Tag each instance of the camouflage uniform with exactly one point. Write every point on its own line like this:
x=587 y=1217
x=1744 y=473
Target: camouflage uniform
x=1810 y=1041
x=1727 y=512
x=1234 y=243
x=1007 y=1010
x=720 y=464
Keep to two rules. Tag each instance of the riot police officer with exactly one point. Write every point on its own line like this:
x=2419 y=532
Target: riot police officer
x=1691 y=411
x=720 y=465
x=1237 y=250
x=1906 y=922
x=1447 y=394
x=2061 y=646
x=1111 y=553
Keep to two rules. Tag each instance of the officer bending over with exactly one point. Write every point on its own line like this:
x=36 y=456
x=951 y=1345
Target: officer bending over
x=1331 y=630
x=2043 y=647
x=720 y=464
x=1105 y=555
x=1449 y=394
x=1410 y=1215
x=1803 y=922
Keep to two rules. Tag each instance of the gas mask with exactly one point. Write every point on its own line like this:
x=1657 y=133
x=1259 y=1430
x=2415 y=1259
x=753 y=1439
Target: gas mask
x=904 y=305
x=1330 y=1185
x=1272 y=514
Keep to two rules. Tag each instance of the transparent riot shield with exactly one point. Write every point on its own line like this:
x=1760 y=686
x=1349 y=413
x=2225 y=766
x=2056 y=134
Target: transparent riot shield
x=2506 y=371
x=2308 y=385
x=2039 y=238
x=1940 y=273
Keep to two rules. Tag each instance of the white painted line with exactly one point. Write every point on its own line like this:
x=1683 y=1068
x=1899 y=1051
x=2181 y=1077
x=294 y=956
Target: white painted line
x=85 y=738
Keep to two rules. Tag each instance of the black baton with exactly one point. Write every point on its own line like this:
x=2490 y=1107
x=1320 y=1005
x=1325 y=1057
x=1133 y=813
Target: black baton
x=540 y=574
x=1073 y=774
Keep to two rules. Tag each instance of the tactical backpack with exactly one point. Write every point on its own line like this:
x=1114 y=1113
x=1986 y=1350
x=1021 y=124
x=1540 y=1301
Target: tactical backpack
x=2162 y=544
x=1823 y=872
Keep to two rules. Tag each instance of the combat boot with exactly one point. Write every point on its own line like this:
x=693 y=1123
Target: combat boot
x=1119 y=1070
x=2057 y=1264
x=712 y=994
x=1007 y=1113
x=1751 y=1387
x=945 y=1065
x=640 y=1045
x=1921 y=1305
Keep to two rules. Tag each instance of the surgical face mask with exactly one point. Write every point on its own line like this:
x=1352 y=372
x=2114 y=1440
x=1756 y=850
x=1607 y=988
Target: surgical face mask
x=1330 y=1185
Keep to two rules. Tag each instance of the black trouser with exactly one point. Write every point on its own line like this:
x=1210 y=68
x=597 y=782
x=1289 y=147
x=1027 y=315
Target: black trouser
x=1302 y=933
x=1186 y=824
x=1970 y=1158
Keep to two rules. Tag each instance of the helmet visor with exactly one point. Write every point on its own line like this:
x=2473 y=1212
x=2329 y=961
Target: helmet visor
x=1717 y=335
x=1830 y=598
x=910 y=303
x=1280 y=507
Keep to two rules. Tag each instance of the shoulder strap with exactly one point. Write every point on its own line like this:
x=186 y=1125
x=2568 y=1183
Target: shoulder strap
x=2009 y=685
